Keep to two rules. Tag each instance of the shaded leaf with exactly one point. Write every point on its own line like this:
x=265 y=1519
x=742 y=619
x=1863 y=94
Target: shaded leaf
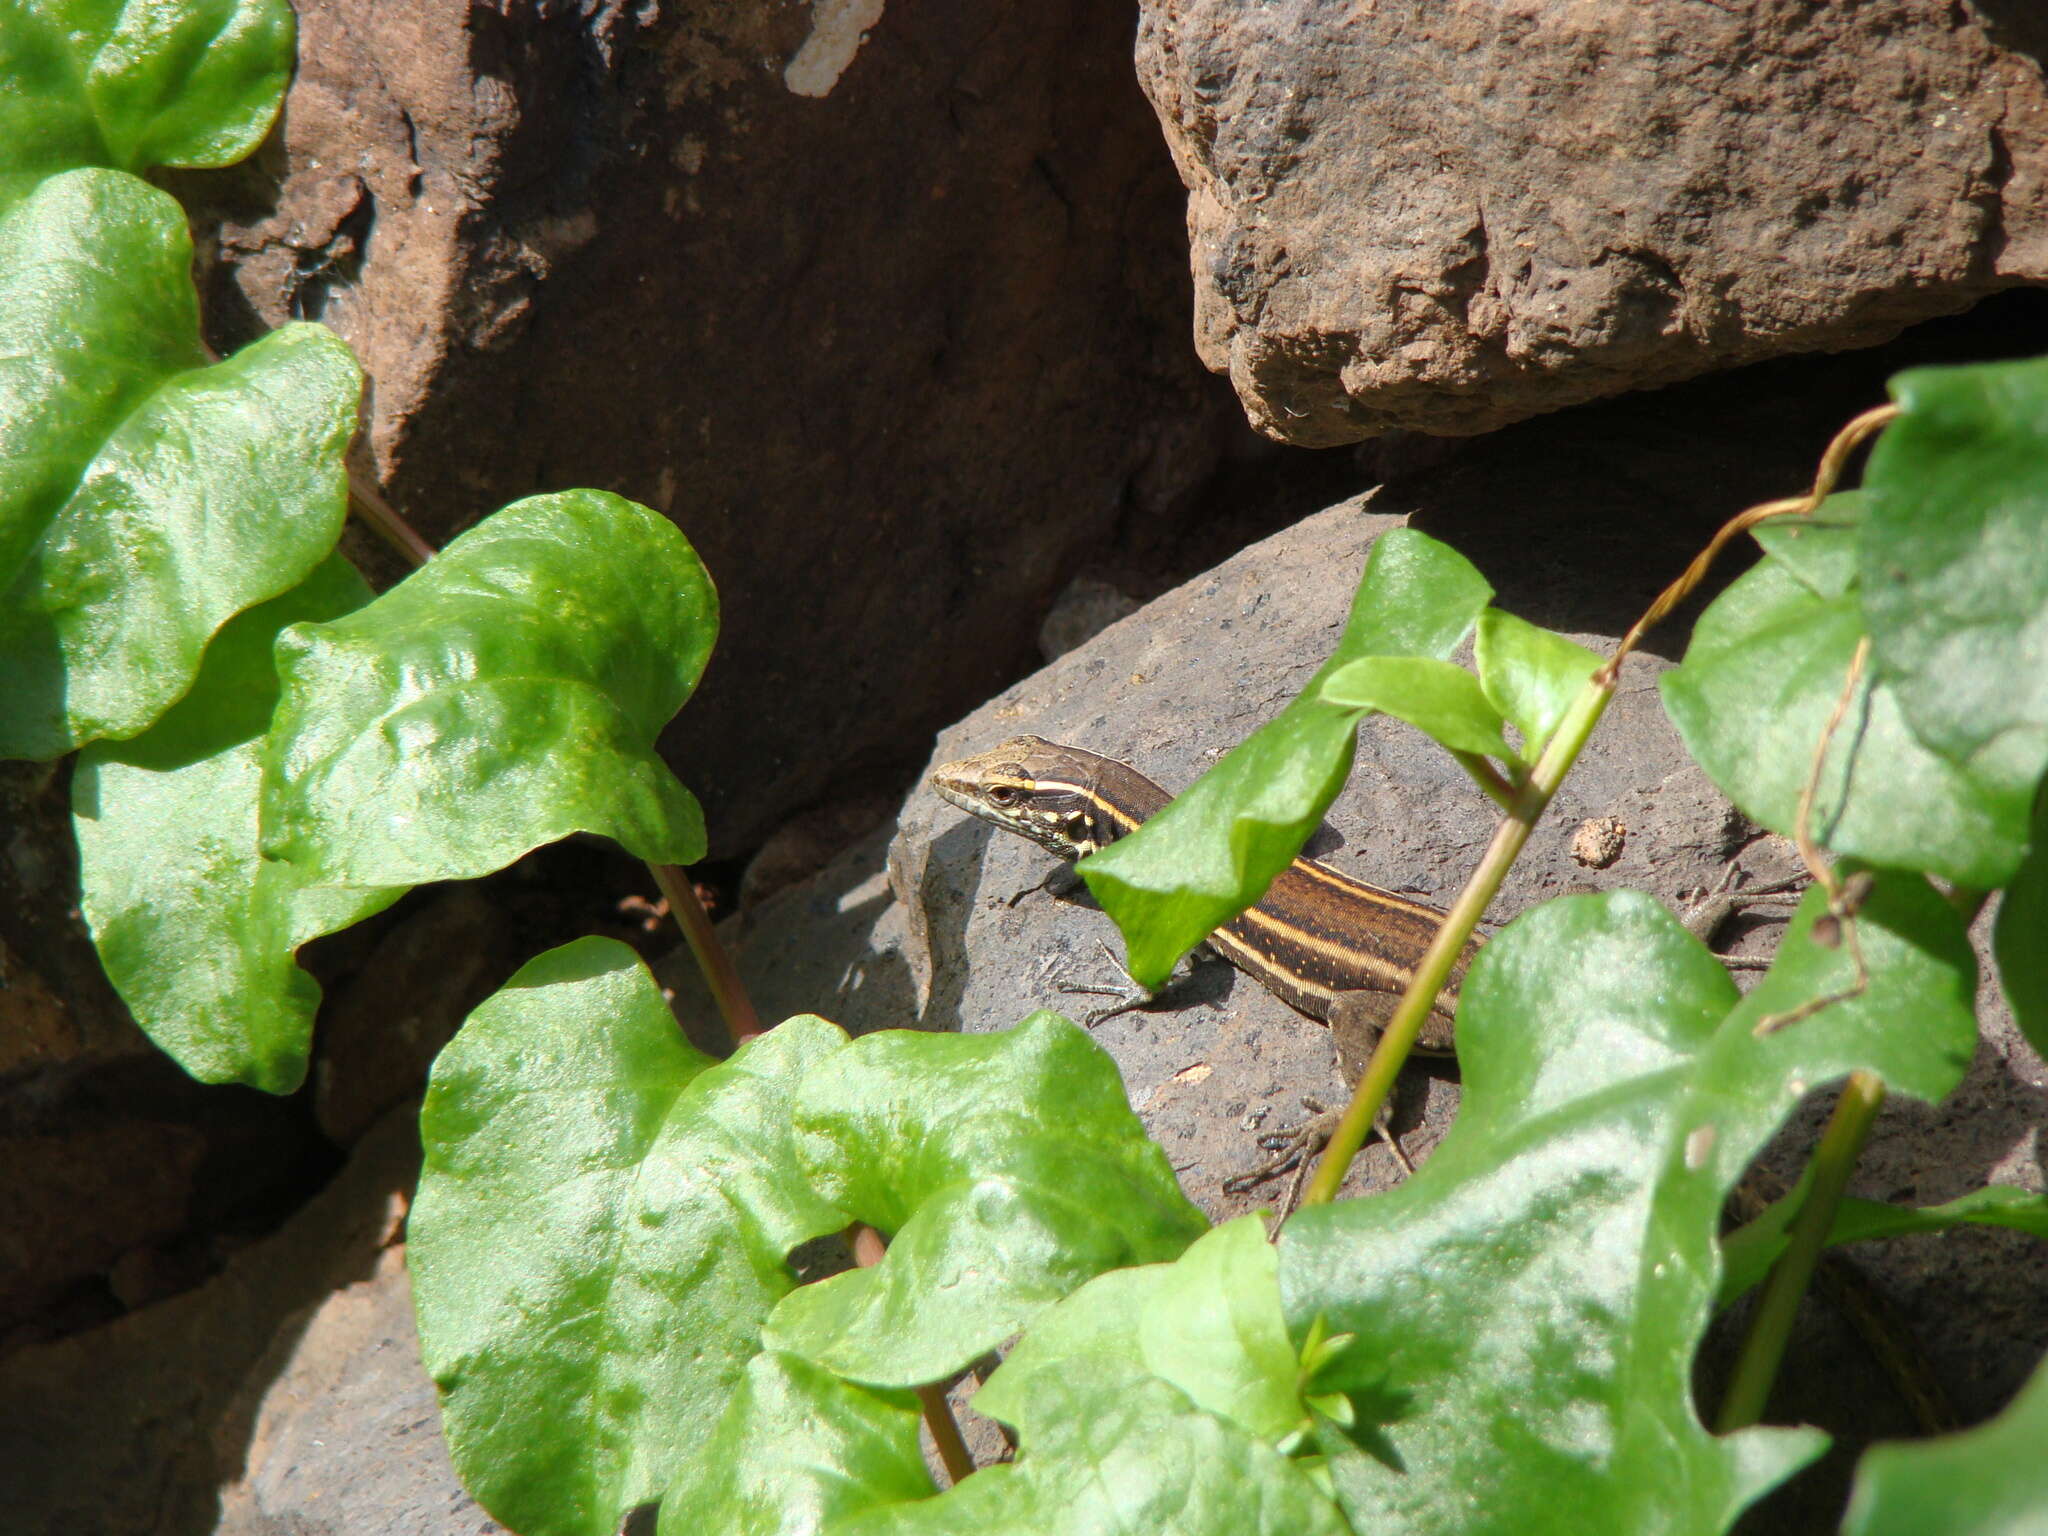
x=1005 y=1169
x=2020 y=937
x=796 y=1450
x=601 y=1227
x=505 y=695
x=1955 y=565
x=1764 y=672
x=134 y=86
x=1215 y=849
x=1524 y=1310
x=197 y=932
x=1530 y=674
x=1987 y=1481
x=1750 y=1253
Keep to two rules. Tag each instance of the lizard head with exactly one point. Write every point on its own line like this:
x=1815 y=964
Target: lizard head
x=1038 y=789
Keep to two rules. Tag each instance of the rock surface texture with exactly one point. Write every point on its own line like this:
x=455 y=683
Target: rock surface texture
x=1448 y=217
x=886 y=308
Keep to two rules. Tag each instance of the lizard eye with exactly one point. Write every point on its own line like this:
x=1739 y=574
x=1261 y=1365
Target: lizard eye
x=1004 y=795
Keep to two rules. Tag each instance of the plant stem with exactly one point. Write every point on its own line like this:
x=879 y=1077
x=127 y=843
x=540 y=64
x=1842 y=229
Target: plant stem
x=868 y=1249
x=1833 y=1161
x=1529 y=803
x=384 y=520
x=713 y=959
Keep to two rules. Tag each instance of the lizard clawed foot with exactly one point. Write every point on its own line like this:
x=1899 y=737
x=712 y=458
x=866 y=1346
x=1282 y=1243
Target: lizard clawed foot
x=1293 y=1149
x=1130 y=996
x=1705 y=917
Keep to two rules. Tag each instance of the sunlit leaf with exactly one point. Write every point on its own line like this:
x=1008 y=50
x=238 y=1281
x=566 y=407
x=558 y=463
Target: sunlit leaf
x=505 y=695
x=796 y=1450
x=601 y=1227
x=1955 y=565
x=1530 y=674
x=1764 y=673
x=1005 y=1170
x=138 y=85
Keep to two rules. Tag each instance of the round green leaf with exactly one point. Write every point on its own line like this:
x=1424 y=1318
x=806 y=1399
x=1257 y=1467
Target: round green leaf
x=503 y=696
x=197 y=931
x=1005 y=1169
x=797 y=1449
x=1763 y=674
x=1955 y=565
x=133 y=86
x=96 y=311
x=601 y=1226
x=220 y=489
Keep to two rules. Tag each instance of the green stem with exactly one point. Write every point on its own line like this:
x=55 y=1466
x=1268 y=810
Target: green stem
x=1833 y=1161
x=713 y=959
x=1412 y=1012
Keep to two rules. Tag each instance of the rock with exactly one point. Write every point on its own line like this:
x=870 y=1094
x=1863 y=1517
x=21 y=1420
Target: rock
x=347 y=1437
x=133 y=1428
x=885 y=310
x=1448 y=218
x=1081 y=612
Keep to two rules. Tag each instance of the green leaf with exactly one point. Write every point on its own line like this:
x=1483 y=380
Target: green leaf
x=1209 y=1323
x=1524 y=1311
x=1215 y=849
x=1437 y=698
x=219 y=490
x=137 y=85
x=601 y=1227
x=796 y=1450
x=1764 y=672
x=1005 y=1169
x=503 y=696
x=1116 y=1456
x=96 y=311
x=1750 y=1253
x=1987 y=1481
x=1955 y=565
x=196 y=931
x=2020 y=938
x=1530 y=675
x=1820 y=550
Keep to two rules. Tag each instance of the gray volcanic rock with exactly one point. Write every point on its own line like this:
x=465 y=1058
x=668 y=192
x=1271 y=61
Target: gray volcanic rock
x=1450 y=217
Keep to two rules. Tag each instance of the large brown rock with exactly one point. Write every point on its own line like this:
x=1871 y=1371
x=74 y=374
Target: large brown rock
x=1448 y=217
x=885 y=309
